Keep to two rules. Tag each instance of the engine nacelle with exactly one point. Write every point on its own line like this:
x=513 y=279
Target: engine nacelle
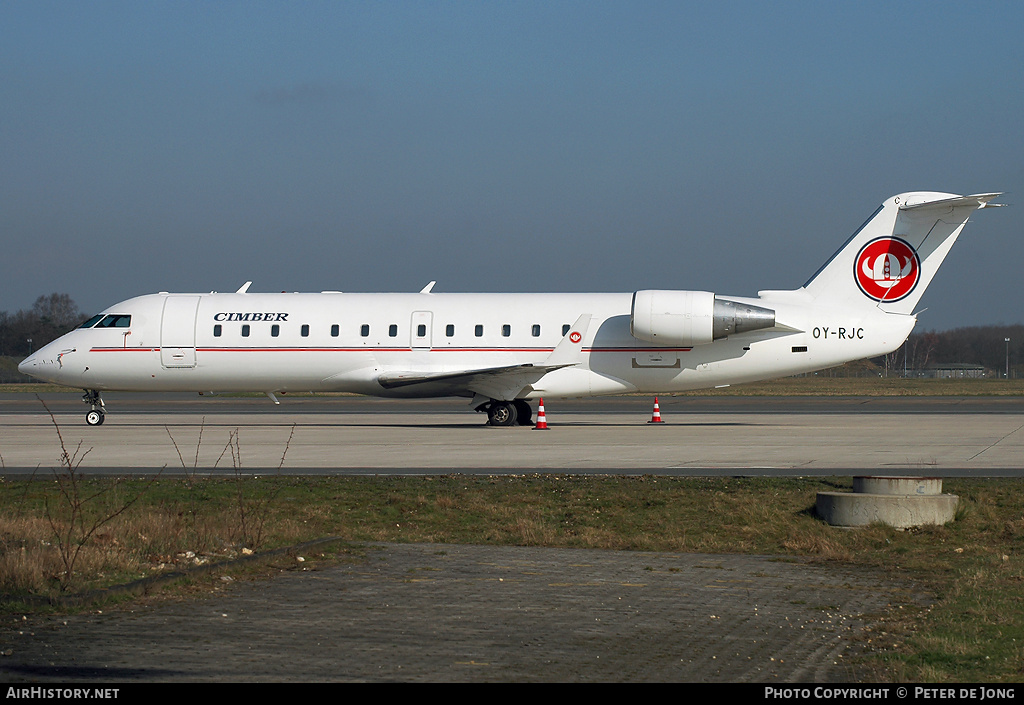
x=689 y=318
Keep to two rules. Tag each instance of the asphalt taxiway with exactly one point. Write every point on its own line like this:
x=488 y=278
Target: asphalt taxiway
x=773 y=436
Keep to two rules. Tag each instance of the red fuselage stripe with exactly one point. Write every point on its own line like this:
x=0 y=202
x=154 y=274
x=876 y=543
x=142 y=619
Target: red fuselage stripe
x=378 y=349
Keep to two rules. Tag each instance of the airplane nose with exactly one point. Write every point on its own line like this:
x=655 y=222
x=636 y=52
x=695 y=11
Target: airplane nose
x=26 y=366
x=41 y=365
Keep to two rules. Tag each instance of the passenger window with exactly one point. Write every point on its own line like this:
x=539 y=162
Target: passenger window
x=449 y=330
x=393 y=330
x=305 y=330
x=335 y=330
x=536 y=330
x=421 y=330
x=566 y=327
x=364 y=330
x=217 y=330
x=479 y=331
x=506 y=330
x=275 y=330
x=245 y=330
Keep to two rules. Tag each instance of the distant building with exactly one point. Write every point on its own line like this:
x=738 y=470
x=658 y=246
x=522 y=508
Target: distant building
x=949 y=370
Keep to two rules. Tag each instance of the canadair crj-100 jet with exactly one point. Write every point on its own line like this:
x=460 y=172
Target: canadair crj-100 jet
x=502 y=350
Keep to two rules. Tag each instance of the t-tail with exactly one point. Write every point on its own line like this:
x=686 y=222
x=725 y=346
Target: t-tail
x=891 y=259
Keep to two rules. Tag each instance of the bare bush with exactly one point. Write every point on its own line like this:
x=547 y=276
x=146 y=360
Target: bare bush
x=74 y=515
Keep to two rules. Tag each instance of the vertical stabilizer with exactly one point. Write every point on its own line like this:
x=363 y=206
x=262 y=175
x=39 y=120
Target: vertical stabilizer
x=892 y=258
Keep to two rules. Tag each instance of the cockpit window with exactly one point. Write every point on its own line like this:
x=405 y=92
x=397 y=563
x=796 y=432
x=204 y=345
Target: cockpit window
x=115 y=320
x=92 y=321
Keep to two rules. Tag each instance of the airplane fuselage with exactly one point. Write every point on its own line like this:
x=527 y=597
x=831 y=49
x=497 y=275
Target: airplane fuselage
x=345 y=342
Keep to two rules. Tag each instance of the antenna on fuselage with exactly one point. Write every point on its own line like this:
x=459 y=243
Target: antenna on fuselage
x=244 y=288
x=427 y=288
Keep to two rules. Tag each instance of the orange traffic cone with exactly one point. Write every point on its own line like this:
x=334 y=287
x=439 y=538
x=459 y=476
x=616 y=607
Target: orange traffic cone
x=542 y=420
x=656 y=417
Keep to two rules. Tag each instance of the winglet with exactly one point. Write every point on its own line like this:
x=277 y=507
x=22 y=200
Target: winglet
x=570 y=347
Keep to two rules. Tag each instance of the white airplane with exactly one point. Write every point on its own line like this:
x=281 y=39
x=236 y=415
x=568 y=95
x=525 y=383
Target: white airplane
x=502 y=350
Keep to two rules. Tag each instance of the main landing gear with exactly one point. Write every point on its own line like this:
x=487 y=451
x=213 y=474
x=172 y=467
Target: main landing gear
x=96 y=414
x=508 y=413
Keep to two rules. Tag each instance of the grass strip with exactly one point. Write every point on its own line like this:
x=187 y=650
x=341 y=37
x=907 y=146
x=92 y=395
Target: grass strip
x=970 y=629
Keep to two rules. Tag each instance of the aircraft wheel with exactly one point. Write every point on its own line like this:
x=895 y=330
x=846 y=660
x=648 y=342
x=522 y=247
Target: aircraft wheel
x=94 y=418
x=502 y=413
x=524 y=413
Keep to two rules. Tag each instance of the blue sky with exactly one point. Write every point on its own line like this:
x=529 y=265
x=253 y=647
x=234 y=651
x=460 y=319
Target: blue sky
x=498 y=146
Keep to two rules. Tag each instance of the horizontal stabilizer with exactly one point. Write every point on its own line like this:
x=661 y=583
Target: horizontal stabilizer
x=980 y=200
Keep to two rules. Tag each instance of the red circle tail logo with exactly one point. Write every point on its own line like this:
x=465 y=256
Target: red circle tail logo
x=575 y=336
x=887 y=269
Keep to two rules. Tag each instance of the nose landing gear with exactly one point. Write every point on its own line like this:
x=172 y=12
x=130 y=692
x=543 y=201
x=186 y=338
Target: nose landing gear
x=96 y=414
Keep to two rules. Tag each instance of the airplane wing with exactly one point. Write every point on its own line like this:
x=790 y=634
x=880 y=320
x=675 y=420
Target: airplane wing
x=504 y=382
x=495 y=382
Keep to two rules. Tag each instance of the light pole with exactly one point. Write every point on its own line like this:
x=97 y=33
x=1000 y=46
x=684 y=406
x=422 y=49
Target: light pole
x=1007 y=340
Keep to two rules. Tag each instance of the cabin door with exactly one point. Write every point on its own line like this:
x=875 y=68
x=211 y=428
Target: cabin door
x=178 y=331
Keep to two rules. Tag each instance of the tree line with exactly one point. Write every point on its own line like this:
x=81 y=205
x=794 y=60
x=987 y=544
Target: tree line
x=27 y=330
x=55 y=314
x=975 y=345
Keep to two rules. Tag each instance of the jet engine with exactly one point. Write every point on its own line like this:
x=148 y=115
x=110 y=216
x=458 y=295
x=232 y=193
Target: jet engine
x=690 y=318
